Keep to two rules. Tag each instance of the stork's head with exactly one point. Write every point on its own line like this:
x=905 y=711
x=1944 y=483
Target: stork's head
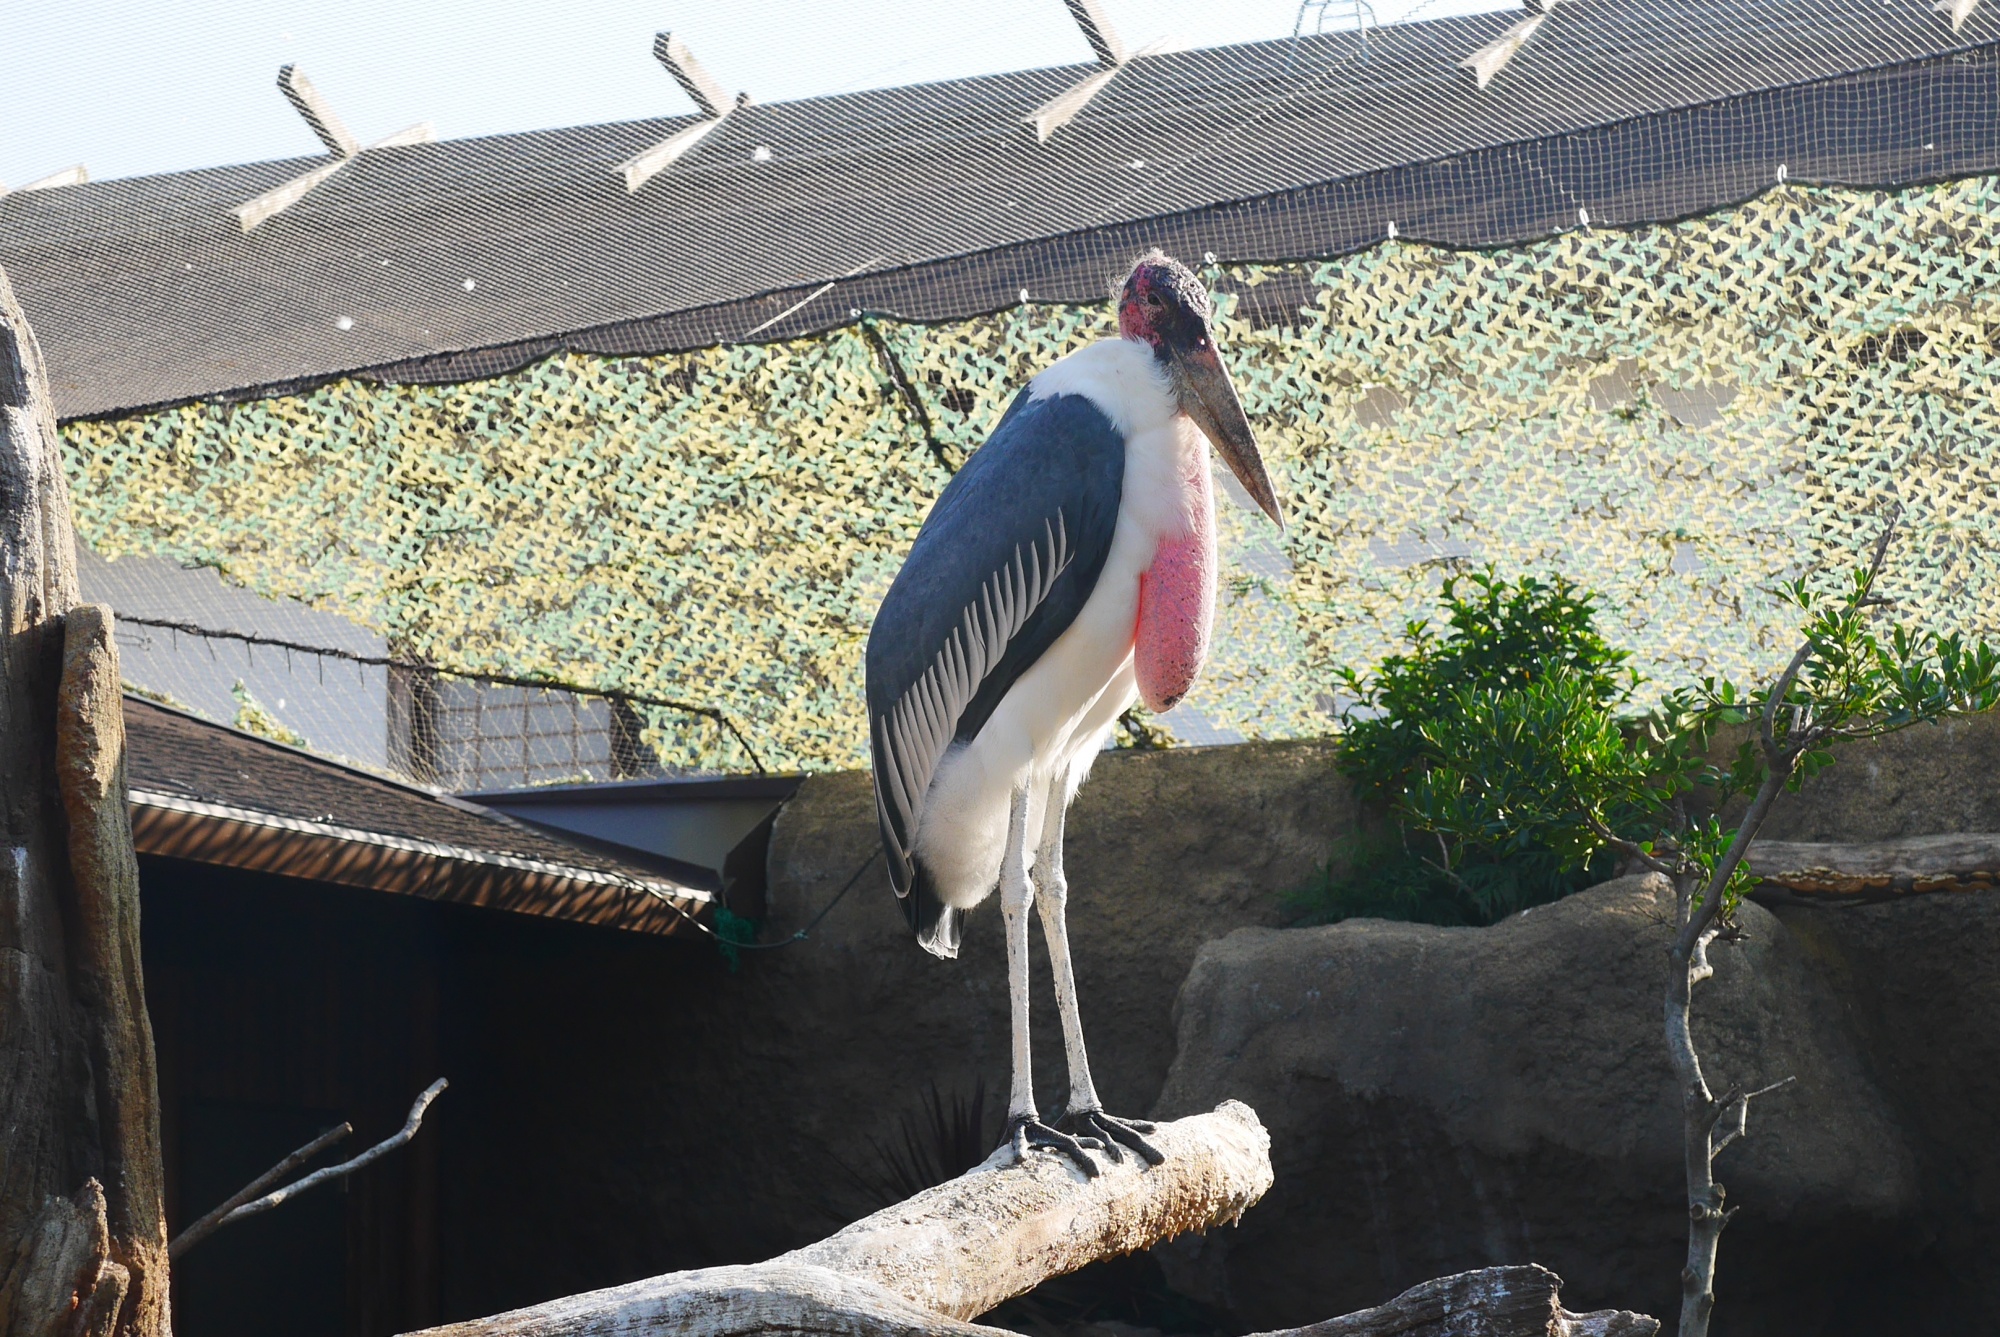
x=1164 y=305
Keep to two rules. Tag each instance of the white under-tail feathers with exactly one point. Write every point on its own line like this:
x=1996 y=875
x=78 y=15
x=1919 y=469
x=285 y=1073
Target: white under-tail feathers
x=916 y=732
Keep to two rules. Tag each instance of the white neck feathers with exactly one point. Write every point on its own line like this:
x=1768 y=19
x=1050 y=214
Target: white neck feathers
x=1120 y=376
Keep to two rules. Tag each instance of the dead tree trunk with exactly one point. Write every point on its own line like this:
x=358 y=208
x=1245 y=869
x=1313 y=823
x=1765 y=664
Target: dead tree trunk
x=943 y=1257
x=934 y=1263
x=1789 y=872
x=83 y=1241
x=1520 y=1301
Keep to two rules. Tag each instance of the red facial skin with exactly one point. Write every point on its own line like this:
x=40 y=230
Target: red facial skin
x=1138 y=317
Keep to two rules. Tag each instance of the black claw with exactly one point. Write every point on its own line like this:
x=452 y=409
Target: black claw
x=1027 y=1132
x=1115 y=1132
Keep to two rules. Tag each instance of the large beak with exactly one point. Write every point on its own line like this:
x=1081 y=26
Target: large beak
x=1208 y=396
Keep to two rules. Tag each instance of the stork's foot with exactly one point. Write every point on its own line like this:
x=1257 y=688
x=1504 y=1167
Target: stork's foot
x=1094 y=1125
x=1027 y=1131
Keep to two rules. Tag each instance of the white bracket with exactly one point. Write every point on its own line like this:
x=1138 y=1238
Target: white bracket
x=707 y=95
x=68 y=176
x=1097 y=31
x=1059 y=110
x=701 y=86
x=1490 y=59
x=1959 y=10
x=298 y=90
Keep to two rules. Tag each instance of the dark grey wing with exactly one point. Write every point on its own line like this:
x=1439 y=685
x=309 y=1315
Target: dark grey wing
x=1002 y=566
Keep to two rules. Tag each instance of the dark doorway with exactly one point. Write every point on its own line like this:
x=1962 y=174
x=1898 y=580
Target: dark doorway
x=280 y=1272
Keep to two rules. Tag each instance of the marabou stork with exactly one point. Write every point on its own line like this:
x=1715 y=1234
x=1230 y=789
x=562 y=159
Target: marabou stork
x=1068 y=568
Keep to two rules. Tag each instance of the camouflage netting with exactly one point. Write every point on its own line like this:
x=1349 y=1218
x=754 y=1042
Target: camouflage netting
x=1676 y=416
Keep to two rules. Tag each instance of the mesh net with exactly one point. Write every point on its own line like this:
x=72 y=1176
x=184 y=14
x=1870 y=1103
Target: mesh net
x=432 y=727
x=1675 y=305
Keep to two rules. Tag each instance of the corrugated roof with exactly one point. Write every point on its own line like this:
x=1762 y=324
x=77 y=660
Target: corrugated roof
x=936 y=200
x=216 y=795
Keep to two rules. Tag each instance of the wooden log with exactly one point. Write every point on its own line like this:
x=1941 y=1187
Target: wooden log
x=82 y=1231
x=953 y=1252
x=945 y=1256
x=1523 y=1301
x=104 y=887
x=1878 y=871
x=773 y=1297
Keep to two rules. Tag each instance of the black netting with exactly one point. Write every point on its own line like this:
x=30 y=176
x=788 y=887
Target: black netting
x=462 y=260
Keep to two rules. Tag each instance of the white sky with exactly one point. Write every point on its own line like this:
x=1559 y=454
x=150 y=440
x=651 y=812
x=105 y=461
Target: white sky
x=130 y=88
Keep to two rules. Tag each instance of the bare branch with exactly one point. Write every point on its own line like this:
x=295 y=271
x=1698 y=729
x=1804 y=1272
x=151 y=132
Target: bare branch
x=206 y=1226
x=947 y=1255
x=1630 y=849
x=1443 y=868
x=278 y=1197
x=1716 y=1109
x=1493 y=1302
x=1767 y=726
x=1780 y=1084
x=1864 y=598
x=1703 y=919
x=1882 y=550
x=1699 y=968
x=1738 y=1104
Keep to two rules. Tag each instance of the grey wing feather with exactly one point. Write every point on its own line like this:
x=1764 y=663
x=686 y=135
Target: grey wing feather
x=913 y=735
x=1003 y=564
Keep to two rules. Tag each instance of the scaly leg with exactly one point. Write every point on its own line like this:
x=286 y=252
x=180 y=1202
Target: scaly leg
x=1024 y=1125
x=1085 y=1114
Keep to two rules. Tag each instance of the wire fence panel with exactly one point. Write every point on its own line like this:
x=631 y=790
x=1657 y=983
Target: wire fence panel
x=416 y=722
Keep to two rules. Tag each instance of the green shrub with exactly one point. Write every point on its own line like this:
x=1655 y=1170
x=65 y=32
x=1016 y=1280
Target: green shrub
x=1547 y=765
x=1420 y=710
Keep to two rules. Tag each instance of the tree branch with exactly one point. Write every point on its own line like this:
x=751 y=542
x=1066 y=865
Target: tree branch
x=1739 y=1101
x=1767 y=725
x=1882 y=550
x=1520 y=1301
x=1725 y=868
x=1880 y=870
x=244 y=1205
x=208 y=1224
x=932 y=1264
x=1699 y=967
x=1630 y=849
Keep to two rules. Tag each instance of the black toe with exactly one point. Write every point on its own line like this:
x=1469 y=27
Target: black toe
x=1116 y=1132
x=1029 y=1132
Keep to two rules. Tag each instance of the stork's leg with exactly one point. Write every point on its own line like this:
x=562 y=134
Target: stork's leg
x=1024 y=1123
x=1085 y=1115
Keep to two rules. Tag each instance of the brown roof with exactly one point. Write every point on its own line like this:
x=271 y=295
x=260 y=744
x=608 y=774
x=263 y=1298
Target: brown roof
x=216 y=795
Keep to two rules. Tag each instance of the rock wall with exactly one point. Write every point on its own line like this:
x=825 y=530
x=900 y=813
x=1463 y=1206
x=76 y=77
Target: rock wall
x=1442 y=1099
x=1451 y=1098
x=1924 y=781
x=624 y=1105
x=1917 y=984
